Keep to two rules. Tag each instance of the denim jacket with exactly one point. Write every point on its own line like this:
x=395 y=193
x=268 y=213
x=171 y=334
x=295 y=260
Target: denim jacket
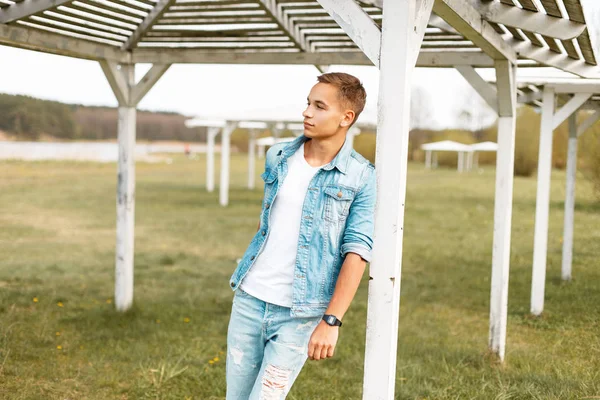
x=337 y=218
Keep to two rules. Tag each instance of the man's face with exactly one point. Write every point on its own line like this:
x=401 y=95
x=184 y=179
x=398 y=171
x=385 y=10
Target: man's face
x=325 y=115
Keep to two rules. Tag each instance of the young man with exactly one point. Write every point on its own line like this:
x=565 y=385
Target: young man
x=303 y=266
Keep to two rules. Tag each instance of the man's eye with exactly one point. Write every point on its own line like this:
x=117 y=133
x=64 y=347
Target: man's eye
x=320 y=107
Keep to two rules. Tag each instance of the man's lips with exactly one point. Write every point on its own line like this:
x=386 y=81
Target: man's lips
x=307 y=125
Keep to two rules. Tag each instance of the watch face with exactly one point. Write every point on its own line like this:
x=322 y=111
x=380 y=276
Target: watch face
x=331 y=320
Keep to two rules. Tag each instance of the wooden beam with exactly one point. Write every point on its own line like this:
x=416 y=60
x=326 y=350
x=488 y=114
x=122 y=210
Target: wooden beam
x=147 y=82
x=115 y=74
x=357 y=24
x=47 y=42
x=447 y=58
x=588 y=122
x=585 y=86
x=152 y=17
x=531 y=21
x=568 y=109
x=487 y=91
x=26 y=8
x=467 y=20
x=560 y=61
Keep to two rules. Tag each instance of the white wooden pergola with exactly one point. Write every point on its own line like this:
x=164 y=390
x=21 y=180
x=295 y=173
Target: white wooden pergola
x=431 y=150
x=559 y=100
x=393 y=35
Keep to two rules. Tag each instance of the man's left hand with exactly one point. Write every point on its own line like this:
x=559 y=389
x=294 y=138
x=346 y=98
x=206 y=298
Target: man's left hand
x=322 y=341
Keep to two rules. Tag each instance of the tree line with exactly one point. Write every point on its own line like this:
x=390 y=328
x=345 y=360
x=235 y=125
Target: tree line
x=28 y=118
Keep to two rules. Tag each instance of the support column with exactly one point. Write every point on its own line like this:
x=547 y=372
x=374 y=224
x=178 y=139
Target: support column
x=210 y=158
x=225 y=155
x=567 y=251
x=461 y=161
x=507 y=99
x=403 y=22
x=428 y=159
x=540 y=245
x=251 y=159
x=121 y=79
x=125 y=204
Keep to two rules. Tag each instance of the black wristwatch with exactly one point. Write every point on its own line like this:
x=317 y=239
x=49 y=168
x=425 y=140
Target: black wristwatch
x=331 y=320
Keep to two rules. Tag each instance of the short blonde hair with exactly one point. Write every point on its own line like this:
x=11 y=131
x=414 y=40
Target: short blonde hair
x=350 y=89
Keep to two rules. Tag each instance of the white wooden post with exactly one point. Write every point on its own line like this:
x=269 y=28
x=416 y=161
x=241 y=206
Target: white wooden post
x=125 y=203
x=507 y=99
x=225 y=155
x=261 y=151
x=428 y=159
x=210 y=158
x=476 y=160
x=251 y=158
x=121 y=79
x=469 y=161
x=567 y=251
x=461 y=161
x=403 y=21
x=540 y=245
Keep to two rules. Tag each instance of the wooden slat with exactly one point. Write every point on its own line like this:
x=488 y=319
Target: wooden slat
x=570 y=49
x=219 y=34
x=49 y=22
x=533 y=39
x=552 y=44
x=214 y=21
x=516 y=34
x=551 y=8
x=34 y=26
x=574 y=10
x=107 y=11
x=528 y=5
x=123 y=9
x=586 y=48
x=214 y=14
x=97 y=17
x=497 y=28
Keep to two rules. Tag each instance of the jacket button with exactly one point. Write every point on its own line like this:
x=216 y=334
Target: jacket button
x=340 y=194
x=267 y=206
x=252 y=258
x=232 y=284
x=264 y=233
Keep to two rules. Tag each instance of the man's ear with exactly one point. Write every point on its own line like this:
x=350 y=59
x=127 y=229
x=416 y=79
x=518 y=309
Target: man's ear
x=348 y=118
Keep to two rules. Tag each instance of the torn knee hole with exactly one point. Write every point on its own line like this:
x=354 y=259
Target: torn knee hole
x=275 y=381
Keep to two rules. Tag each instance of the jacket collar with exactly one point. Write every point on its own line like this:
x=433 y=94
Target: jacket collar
x=340 y=161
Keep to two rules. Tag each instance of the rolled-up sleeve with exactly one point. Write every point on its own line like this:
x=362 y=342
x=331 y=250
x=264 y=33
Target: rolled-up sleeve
x=358 y=234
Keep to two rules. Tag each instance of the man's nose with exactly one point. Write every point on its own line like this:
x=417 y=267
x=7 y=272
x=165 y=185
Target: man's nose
x=307 y=113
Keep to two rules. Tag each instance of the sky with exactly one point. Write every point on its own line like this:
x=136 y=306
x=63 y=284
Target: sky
x=204 y=90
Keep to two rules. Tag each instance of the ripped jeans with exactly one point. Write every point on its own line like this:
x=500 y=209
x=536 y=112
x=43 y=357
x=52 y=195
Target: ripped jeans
x=266 y=349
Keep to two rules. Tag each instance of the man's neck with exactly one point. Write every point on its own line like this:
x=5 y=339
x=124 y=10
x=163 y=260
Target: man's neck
x=319 y=152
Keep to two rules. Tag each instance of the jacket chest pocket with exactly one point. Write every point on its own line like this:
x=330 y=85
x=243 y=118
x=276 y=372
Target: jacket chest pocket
x=337 y=202
x=269 y=177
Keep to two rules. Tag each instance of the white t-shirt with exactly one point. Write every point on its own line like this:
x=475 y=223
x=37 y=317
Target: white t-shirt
x=270 y=278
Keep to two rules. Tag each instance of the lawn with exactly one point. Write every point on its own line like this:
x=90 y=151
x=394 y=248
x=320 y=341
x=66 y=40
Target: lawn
x=60 y=337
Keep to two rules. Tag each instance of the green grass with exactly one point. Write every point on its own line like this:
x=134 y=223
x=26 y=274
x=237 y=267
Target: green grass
x=57 y=237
